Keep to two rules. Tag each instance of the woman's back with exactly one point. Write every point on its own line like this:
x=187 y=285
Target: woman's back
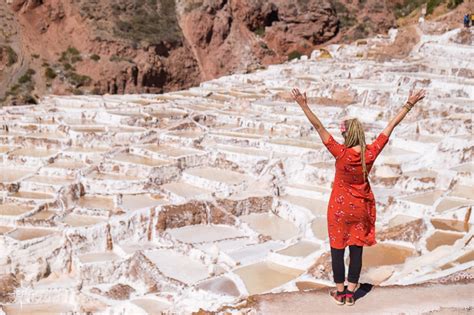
x=348 y=160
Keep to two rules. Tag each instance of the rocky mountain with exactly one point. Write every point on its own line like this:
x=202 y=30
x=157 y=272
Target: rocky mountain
x=153 y=46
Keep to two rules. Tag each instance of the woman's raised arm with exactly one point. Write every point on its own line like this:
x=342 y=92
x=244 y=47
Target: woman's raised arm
x=413 y=98
x=303 y=102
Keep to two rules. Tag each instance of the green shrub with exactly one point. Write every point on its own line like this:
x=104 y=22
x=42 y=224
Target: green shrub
x=260 y=31
x=361 y=31
x=24 y=78
x=30 y=99
x=64 y=57
x=303 y=4
x=49 y=73
x=72 y=51
x=191 y=6
x=68 y=66
x=27 y=76
x=77 y=92
x=144 y=20
x=346 y=18
x=70 y=55
x=95 y=57
x=362 y=3
x=347 y=21
x=12 y=57
x=431 y=5
x=75 y=59
x=454 y=3
x=294 y=54
x=78 y=80
x=115 y=58
x=407 y=6
x=15 y=88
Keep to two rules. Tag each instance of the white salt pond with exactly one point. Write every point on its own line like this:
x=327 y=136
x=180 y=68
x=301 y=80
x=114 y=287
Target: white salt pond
x=319 y=226
x=220 y=285
x=82 y=220
x=152 y=306
x=14 y=209
x=385 y=254
x=23 y=234
x=264 y=276
x=271 y=225
x=204 y=233
x=178 y=266
x=141 y=201
x=439 y=238
x=39 y=309
x=300 y=249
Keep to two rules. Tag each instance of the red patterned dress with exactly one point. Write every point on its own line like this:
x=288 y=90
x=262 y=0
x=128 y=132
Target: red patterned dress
x=351 y=210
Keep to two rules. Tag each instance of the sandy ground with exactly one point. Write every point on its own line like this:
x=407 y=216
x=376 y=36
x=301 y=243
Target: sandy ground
x=427 y=299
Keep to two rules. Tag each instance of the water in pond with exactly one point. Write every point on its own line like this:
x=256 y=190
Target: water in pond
x=96 y=202
x=31 y=195
x=300 y=249
x=75 y=220
x=14 y=209
x=38 y=309
x=152 y=306
x=178 y=266
x=134 y=202
x=400 y=219
x=204 y=233
x=448 y=224
x=439 y=238
x=23 y=234
x=216 y=174
x=320 y=228
x=271 y=225
x=427 y=198
x=264 y=276
x=385 y=254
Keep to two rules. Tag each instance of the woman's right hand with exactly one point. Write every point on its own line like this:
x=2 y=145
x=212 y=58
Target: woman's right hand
x=415 y=97
x=301 y=99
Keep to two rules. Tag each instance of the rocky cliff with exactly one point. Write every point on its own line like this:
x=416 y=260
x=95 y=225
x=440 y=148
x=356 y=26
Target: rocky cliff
x=153 y=46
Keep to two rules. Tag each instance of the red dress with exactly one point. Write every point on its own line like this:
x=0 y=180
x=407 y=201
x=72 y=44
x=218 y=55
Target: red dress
x=351 y=209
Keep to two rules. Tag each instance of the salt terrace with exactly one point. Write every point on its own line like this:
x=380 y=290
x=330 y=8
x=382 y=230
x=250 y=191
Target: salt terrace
x=200 y=198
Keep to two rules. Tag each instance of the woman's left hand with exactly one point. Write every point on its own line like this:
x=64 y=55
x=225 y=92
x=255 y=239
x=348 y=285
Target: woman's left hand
x=301 y=99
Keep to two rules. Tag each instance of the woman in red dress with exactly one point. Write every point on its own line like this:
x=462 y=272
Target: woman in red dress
x=351 y=210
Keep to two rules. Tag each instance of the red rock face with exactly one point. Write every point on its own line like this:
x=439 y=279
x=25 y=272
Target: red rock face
x=154 y=47
x=244 y=35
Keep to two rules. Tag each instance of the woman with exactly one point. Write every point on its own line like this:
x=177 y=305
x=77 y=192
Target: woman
x=351 y=210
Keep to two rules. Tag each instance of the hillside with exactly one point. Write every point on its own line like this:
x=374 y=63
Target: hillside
x=115 y=47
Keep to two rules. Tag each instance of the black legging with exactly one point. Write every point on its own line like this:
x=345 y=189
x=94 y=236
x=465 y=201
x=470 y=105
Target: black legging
x=355 y=264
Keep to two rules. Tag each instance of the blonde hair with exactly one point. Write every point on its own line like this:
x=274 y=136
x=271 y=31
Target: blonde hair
x=355 y=135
